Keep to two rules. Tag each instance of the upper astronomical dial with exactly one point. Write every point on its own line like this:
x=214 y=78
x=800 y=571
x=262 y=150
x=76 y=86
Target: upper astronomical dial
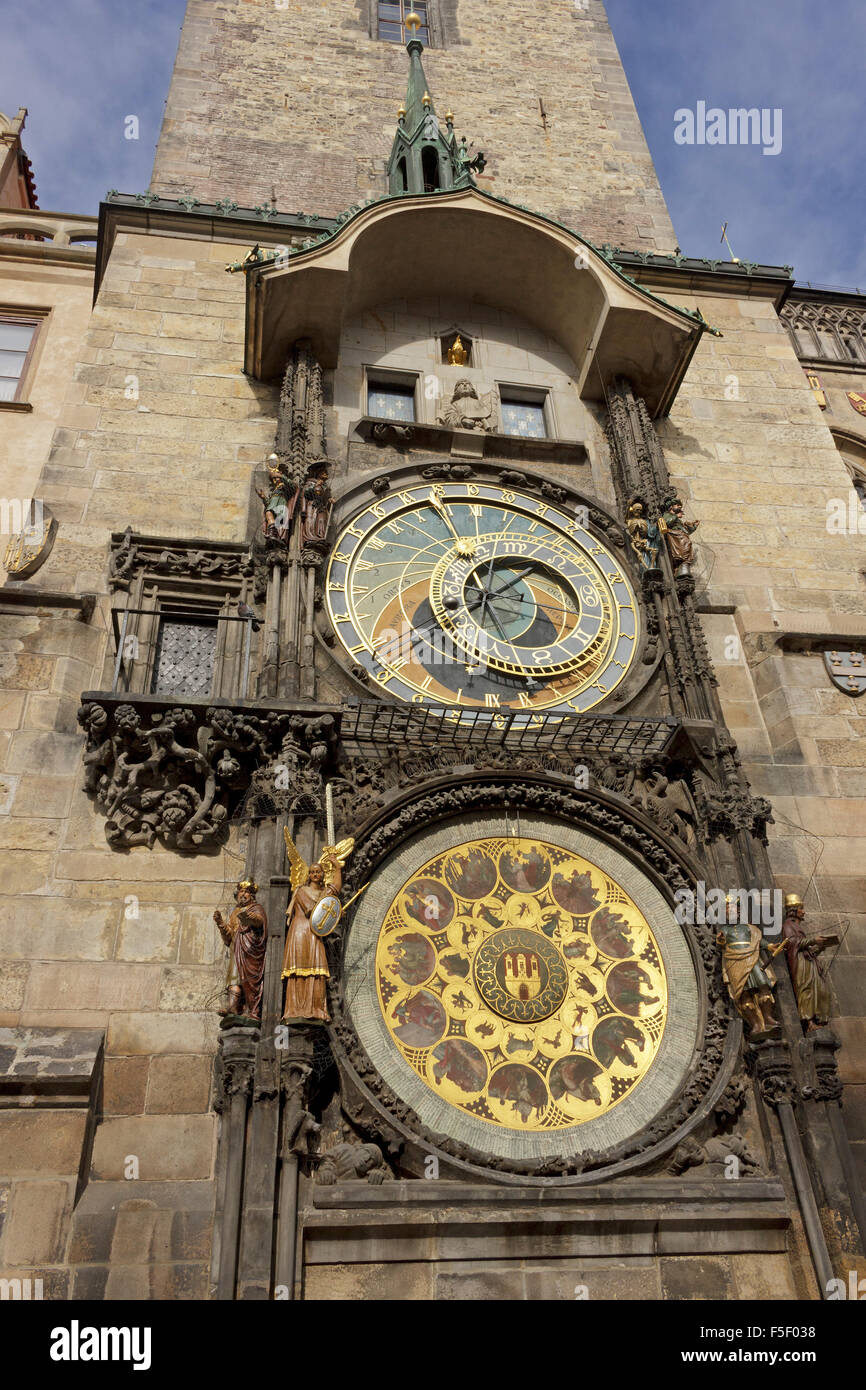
x=474 y=595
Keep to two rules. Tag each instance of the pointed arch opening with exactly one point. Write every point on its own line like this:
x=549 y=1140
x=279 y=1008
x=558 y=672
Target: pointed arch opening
x=430 y=169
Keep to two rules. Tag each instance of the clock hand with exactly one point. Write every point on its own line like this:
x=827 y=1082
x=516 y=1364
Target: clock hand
x=464 y=546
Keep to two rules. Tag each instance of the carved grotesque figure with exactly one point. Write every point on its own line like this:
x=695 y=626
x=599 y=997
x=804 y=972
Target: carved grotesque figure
x=348 y=1162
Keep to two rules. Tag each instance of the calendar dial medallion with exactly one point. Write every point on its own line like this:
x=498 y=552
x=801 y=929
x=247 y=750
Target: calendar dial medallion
x=480 y=597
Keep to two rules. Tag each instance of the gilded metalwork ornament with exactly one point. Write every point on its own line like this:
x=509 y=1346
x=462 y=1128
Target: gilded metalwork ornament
x=521 y=983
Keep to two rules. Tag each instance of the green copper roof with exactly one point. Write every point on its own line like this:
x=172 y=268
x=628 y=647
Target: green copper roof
x=417 y=88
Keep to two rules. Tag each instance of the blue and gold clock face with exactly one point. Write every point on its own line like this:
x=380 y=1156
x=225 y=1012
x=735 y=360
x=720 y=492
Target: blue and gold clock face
x=480 y=597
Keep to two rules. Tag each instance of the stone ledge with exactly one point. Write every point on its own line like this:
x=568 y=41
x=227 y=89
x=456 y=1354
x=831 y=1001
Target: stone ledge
x=48 y=1066
x=354 y=1195
x=442 y=439
x=611 y=1226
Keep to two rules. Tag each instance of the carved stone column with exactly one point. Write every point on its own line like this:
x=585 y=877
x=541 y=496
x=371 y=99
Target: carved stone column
x=298 y=1129
x=238 y=1048
x=285 y=565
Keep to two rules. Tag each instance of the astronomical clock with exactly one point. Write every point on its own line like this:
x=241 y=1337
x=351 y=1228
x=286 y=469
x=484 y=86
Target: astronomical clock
x=524 y=988
x=477 y=596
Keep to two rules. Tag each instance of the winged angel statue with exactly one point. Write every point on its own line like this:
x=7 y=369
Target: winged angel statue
x=313 y=913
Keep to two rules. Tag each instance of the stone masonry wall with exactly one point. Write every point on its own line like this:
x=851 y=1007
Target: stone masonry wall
x=91 y=938
x=300 y=101
x=752 y=453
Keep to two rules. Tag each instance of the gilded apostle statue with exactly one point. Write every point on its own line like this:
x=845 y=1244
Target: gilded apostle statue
x=749 y=976
x=246 y=935
x=644 y=534
x=808 y=974
x=313 y=912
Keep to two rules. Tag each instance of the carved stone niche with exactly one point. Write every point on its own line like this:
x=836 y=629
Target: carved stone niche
x=180 y=772
x=386 y=1107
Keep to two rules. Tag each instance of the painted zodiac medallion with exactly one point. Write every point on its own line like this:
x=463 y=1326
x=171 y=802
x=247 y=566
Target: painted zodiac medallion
x=521 y=983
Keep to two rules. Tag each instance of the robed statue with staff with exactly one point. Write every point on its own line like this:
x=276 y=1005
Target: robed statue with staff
x=246 y=935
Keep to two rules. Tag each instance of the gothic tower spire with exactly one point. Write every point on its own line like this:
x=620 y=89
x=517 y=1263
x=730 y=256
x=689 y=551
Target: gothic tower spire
x=423 y=158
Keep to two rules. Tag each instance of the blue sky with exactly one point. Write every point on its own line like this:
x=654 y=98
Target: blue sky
x=81 y=66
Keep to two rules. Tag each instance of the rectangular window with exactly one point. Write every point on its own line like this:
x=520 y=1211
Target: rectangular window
x=391 y=400
x=523 y=414
x=17 y=338
x=185 y=658
x=392 y=21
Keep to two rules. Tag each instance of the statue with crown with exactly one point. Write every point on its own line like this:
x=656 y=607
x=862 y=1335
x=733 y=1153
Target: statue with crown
x=246 y=935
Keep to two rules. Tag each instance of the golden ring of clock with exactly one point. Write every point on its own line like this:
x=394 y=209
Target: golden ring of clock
x=478 y=596
x=521 y=983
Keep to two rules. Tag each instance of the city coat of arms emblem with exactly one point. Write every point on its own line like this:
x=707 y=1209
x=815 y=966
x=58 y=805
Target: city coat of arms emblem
x=847 y=671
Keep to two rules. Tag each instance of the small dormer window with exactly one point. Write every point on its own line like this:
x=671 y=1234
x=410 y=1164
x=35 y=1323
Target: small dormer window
x=392 y=21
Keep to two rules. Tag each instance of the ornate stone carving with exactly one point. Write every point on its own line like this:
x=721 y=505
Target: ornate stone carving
x=715 y=1154
x=131 y=554
x=467 y=410
x=668 y=802
x=449 y=472
x=297 y=472
x=770 y=1062
x=388 y=432
x=299 y=1125
x=237 y=1060
x=350 y=1162
x=818 y=1052
x=833 y=332
x=177 y=774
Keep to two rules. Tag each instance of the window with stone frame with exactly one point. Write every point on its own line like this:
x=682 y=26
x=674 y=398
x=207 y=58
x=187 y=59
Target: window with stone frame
x=392 y=396
x=177 y=629
x=391 y=18
x=18 y=334
x=827 y=332
x=525 y=413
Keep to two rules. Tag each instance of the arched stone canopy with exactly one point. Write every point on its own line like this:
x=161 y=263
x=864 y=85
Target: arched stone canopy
x=481 y=249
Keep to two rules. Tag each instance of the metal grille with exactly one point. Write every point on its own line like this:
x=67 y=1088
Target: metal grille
x=366 y=724
x=185 y=655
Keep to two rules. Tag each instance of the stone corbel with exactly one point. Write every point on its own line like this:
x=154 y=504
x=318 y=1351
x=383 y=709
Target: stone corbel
x=177 y=773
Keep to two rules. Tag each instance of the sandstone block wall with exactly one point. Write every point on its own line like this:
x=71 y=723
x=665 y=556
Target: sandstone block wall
x=750 y=449
x=299 y=101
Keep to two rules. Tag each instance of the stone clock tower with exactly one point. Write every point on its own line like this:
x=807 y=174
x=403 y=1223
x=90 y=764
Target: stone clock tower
x=414 y=637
